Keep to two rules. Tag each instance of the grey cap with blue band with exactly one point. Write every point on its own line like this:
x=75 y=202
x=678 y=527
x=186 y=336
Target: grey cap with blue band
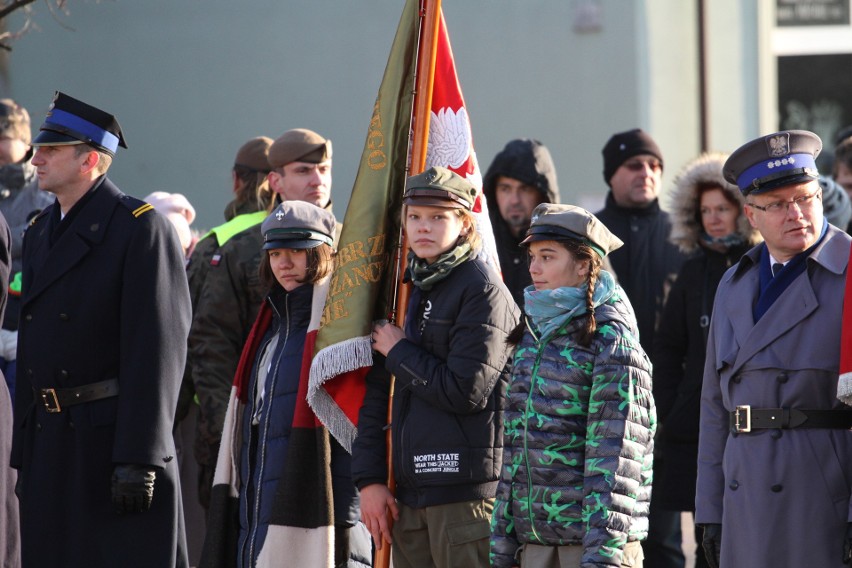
x=773 y=161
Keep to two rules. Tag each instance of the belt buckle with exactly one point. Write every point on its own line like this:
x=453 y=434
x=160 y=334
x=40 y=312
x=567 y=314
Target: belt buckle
x=742 y=418
x=48 y=396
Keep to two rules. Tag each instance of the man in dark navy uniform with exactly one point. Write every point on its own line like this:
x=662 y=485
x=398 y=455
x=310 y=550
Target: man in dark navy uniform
x=104 y=319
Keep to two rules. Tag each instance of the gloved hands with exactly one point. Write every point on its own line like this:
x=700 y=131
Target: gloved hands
x=132 y=488
x=712 y=543
x=847 y=545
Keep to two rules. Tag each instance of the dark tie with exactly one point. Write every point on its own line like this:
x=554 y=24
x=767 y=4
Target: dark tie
x=776 y=268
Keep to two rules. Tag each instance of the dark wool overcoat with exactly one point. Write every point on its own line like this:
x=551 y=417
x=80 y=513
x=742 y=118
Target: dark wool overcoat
x=104 y=297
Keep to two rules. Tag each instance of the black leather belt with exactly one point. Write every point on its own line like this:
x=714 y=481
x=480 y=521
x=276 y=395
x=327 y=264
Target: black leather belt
x=745 y=418
x=55 y=399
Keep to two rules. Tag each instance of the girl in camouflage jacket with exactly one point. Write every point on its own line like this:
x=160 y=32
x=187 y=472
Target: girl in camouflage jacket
x=576 y=479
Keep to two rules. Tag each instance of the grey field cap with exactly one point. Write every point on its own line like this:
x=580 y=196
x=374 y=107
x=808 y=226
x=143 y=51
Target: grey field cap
x=297 y=225
x=773 y=161
x=556 y=221
x=439 y=187
x=299 y=145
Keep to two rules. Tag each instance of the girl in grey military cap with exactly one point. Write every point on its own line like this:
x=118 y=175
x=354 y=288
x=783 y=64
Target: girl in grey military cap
x=575 y=482
x=275 y=454
x=450 y=367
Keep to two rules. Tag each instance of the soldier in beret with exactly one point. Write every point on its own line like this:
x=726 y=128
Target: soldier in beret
x=775 y=452
x=230 y=293
x=104 y=318
x=251 y=202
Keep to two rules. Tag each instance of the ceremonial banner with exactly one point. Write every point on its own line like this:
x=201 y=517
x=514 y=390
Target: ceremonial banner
x=362 y=282
x=451 y=140
x=364 y=279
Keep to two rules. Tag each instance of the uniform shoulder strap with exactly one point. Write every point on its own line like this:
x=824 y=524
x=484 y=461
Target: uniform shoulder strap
x=136 y=206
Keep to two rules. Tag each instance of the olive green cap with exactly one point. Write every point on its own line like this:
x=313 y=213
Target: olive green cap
x=439 y=187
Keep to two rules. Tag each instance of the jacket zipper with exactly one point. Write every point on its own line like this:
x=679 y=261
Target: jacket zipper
x=241 y=555
x=527 y=409
x=258 y=474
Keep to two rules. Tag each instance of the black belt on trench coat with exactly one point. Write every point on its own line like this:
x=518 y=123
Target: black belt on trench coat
x=745 y=418
x=55 y=399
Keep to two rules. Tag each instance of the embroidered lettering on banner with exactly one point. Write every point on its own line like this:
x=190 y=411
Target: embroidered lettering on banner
x=436 y=463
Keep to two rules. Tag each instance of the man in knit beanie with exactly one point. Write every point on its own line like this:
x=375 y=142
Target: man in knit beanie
x=633 y=169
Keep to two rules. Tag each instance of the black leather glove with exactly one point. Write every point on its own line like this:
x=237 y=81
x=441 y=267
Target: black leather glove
x=132 y=488
x=712 y=543
x=847 y=545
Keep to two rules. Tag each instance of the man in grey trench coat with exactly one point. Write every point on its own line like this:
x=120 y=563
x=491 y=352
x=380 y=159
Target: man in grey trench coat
x=775 y=450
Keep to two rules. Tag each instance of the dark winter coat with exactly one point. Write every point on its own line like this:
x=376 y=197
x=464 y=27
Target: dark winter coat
x=447 y=420
x=529 y=162
x=647 y=263
x=104 y=297
x=578 y=443
x=782 y=496
x=681 y=337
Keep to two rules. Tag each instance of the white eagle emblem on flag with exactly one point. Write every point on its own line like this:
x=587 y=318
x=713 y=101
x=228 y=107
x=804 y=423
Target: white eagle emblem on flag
x=449 y=138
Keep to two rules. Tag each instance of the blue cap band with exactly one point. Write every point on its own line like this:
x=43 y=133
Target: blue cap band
x=773 y=169
x=88 y=131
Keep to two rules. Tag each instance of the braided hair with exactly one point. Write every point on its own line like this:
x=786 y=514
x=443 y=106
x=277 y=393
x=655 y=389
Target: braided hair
x=581 y=252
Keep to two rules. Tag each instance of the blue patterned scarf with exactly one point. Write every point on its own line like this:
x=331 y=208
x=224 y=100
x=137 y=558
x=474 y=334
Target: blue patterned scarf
x=551 y=310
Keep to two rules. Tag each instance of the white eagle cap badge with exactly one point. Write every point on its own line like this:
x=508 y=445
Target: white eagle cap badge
x=778 y=145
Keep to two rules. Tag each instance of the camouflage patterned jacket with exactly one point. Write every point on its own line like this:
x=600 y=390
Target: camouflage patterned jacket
x=578 y=443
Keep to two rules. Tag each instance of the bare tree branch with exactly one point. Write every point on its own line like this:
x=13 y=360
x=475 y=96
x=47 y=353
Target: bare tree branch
x=16 y=4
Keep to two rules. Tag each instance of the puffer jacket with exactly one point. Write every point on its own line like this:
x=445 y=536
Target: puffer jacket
x=448 y=399
x=267 y=432
x=529 y=162
x=579 y=443
x=264 y=453
x=681 y=338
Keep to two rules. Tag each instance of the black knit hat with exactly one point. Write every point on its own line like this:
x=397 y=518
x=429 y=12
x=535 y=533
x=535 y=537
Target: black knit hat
x=625 y=145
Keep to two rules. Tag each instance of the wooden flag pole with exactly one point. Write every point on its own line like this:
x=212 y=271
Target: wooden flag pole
x=430 y=11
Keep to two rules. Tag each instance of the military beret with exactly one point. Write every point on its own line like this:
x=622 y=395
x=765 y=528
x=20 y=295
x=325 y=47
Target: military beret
x=623 y=146
x=70 y=121
x=557 y=222
x=14 y=121
x=299 y=145
x=773 y=161
x=297 y=225
x=439 y=187
x=254 y=154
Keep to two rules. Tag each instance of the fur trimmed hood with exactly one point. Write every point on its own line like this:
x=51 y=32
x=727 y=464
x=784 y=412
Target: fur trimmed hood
x=683 y=202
